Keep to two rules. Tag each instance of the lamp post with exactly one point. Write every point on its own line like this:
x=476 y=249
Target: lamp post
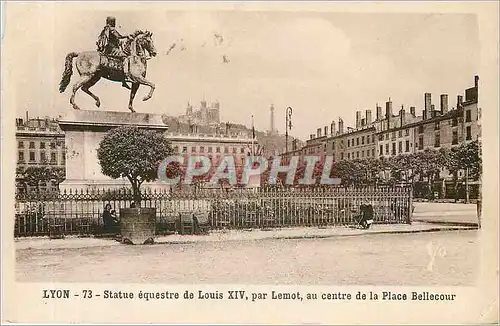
x=288 y=126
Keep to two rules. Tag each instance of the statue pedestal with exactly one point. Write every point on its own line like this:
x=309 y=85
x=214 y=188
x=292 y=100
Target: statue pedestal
x=84 y=131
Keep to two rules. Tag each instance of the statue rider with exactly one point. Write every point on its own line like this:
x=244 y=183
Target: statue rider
x=109 y=44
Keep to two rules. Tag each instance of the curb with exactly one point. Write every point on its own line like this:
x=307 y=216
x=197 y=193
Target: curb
x=326 y=236
x=464 y=224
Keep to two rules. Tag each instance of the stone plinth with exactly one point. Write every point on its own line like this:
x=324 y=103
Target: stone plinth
x=84 y=131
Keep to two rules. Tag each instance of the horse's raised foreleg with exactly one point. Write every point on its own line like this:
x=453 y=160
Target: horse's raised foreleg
x=144 y=81
x=133 y=91
x=90 y=83
x=83 y=79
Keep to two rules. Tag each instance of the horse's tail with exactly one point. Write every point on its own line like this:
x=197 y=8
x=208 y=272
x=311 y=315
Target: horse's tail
x=68 y=71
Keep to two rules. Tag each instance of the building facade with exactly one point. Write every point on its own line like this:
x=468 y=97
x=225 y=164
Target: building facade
x=389 y=134
x=40 y=143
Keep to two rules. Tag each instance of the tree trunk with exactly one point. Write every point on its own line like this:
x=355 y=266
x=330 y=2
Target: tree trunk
x=136 y=194
x=466 y=185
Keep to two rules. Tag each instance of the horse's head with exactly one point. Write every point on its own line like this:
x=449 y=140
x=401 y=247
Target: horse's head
x=145 y=41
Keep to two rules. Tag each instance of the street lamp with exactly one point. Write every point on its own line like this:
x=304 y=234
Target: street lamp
x=288 y=126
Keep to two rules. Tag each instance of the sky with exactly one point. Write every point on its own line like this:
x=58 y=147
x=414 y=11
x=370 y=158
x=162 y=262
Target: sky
x=324 y=65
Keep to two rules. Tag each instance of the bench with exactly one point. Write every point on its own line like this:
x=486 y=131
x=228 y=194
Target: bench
x=201 y=223
x=56 y=231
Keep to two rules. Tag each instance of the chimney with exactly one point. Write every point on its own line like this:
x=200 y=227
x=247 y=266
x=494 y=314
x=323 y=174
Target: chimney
x=433 y=111
x=388 y=113
x=427 y=103
x=444 y=103
x=476 y=81
x=27 y=118
x=412 y=111
x=358 y=119
x=326 y=130
x=424 y=115
x=402 y=116
x=379 y=112
x=368 y=116
x=311 y=136
x=341 y=126
x=459 y=101
x=318 y=132
x=332 y=128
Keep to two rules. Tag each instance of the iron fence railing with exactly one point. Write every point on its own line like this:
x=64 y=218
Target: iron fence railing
x=81 y=211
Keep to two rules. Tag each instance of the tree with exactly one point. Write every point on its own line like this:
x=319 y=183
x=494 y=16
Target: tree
x=467 y=157
x=133 y=153
x=428 y=164
x=35 y=175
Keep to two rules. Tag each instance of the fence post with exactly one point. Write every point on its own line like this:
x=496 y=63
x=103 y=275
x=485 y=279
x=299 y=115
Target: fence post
x=410 y=206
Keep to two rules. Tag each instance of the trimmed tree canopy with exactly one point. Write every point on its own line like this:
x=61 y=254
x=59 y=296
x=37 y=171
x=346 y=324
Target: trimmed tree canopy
x=133 y=153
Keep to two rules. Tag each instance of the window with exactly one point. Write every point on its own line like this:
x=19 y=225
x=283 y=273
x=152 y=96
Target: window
x=176 y=149
x=454 y=122
x=357 y=141
x=421 y=142
x=226 y=150
x=202 y=149
x=53 y=157
x=333 y=156
x=367 y=153
x=341 y=156
x=363 y=140
x=235 y=150
x=32 y=144
x=20 y=157
x=357 y=154
x=469 y=136
x=373 y=138
x=20 y=144
x=242 y=150
x=468 y=116
x=63 y=159
x=217 y=149
x=184 y=149
x=393 y=135
x=381 y=137
x=348 y=143
x=436 y=125
x=348 y=155
x=437 y=140
x=42 y=145
x=400 y=147
x=393 y=148
x=400 y=133
x=386 y=149
x=362 y=153
x=387 y=136
x=52 y=145
x=32 y=156
x=454 y=139
x=381 y=150
x=407 y=132
x=333 y=146
x=209 y=149
x=421 y=129
x=193 y=149
x=373 y=151
x=367 y=139
x=407 y=146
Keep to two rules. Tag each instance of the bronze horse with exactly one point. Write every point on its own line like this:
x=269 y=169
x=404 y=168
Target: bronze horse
x=92 y=65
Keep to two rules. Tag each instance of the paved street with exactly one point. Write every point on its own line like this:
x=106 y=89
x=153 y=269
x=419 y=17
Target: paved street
x=436 y=258
x=445 y=212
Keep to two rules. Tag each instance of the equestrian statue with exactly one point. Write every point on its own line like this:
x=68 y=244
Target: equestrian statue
x=118 y=58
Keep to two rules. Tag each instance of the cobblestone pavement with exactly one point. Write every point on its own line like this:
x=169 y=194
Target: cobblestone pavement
x=437 y=258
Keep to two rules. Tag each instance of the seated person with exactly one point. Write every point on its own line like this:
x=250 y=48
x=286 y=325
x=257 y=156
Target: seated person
x=111 y=223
